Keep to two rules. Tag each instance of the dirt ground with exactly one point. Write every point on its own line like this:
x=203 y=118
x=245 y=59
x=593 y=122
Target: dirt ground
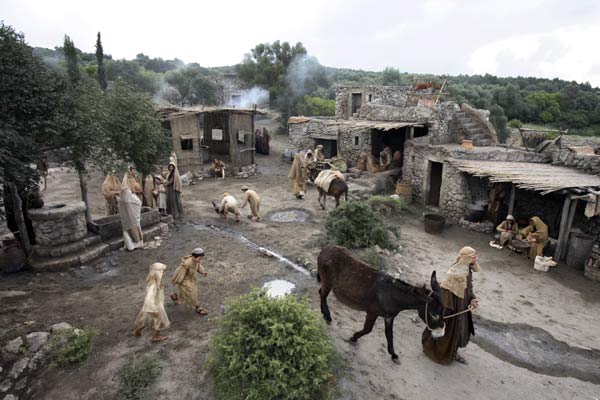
x=537 y=333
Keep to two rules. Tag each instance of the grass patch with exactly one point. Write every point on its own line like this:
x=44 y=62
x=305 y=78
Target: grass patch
x=271 y=348
x=386 y=205
x=137 y=376
x=355 y=225
x=72 y=346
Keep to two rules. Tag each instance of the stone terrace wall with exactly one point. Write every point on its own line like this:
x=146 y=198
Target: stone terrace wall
x=395 y=96
x=300 y=134
x=588 y=163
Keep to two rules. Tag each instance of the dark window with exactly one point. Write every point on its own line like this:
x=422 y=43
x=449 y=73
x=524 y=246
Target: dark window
x=187 y=144
x=356 y=140
x=370 y=97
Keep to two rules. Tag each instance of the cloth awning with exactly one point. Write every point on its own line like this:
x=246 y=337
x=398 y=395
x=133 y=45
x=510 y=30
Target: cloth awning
x=544 y=178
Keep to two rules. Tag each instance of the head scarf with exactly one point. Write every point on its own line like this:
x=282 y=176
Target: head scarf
x=510 y=218
x=130 y=208
x=155 y=273
x=456 y=277
x=176 y=177
x=244 y=188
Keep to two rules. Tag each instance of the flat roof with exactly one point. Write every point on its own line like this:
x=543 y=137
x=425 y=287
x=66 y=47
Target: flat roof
x=357 y=123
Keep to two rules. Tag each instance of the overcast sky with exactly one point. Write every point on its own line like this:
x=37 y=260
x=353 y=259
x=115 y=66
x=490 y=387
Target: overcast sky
x=544 y=38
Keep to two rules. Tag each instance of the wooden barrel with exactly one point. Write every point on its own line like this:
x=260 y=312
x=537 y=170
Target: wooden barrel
x=434 y=223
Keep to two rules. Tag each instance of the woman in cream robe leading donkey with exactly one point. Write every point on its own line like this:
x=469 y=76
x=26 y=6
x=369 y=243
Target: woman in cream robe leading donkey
x=154 y=305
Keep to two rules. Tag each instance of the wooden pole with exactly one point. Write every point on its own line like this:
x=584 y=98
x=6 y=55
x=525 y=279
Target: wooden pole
x=563 y=228
x=511 y=200
x=569 y=225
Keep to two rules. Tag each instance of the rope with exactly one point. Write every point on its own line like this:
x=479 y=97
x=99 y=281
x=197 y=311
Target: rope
x=470 y=308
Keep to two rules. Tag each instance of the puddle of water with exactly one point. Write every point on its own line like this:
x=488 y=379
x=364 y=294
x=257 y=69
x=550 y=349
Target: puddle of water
x=291 y=215
x=278 y=288
x=254 y=246
x=536 y=350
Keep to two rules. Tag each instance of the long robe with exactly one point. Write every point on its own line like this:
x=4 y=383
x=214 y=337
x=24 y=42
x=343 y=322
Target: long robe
x=130 y=209
x=539 y=232
x=507 y=234
x=149 y=200
x=154 y=300
x=458 y=329
x=111 y=187
x=185 y=281
x=173 y=188
x=298 y=175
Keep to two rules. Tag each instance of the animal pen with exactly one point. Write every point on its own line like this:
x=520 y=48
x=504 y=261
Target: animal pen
x=203 y=133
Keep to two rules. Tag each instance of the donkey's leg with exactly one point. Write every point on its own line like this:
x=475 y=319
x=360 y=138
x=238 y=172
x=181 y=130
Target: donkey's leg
x=323 y=293
x=337 y=201
x=324 y=199
x=369 y=322
x=389 y=335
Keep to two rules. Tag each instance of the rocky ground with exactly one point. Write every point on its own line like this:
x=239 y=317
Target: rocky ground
x=537 y=333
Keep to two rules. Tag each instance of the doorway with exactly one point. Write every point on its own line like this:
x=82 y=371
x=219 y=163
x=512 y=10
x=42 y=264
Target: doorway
x=329 y=147
x=394 y=138
x=435 y=183
x=356 y=102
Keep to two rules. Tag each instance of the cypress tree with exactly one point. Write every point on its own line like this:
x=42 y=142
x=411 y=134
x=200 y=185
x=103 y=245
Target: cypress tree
x=100 y=60
x=71 y=57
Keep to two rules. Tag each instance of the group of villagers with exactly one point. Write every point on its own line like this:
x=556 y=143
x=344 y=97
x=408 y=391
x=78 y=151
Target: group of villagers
x=535 y=234
x=126 y=198
x=184 y=280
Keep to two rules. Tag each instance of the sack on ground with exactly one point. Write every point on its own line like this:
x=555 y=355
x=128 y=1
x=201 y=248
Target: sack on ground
x=543 y=263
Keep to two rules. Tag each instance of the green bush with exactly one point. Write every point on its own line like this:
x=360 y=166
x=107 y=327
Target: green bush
x=270 y=348
x=136 y=377
x=372 y=257
x=515 y=123
x=356 y=226
x=72 y=346
x=386 y=205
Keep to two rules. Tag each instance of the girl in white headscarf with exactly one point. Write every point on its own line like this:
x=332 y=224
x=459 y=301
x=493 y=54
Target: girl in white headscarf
x=130 y=209
x=154 y=305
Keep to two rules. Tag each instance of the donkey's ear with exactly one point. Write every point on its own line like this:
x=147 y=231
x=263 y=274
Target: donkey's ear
x=435 y=286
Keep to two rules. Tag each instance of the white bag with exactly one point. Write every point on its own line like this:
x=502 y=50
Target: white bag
x=543 y=263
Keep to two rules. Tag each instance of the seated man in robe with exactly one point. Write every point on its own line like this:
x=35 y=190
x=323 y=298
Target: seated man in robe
x=536 y=234
x=217 y=167
x=508 y=230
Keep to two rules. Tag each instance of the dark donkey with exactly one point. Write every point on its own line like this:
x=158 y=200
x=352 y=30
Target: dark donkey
x=363 y=288
x=337 y=188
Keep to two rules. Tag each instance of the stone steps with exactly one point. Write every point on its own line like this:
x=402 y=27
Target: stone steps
x=148 y=234
x=69 y=260
x=68 y=248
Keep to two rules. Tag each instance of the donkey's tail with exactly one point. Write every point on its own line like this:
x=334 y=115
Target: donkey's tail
x=346 y=193
x=318 y=277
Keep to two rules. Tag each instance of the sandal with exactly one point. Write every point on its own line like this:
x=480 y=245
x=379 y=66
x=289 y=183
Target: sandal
x=201 y=311
x=175 y=298
x=156 y=339
x=138 y=331
x=461 y=360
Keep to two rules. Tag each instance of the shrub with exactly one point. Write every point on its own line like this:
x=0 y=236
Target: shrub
x=270 y=348
x=137 y=375
x=72 y=346
x=515 y=123
x=372 y=257
x=355 y=225
x=386 y=205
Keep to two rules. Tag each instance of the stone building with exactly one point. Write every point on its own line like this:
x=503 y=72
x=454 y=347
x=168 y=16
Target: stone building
x=453 y=162
x=229 y=90
x=200 y=134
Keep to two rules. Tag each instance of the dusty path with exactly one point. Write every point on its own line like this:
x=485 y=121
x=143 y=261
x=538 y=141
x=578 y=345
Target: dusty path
x=518 y=307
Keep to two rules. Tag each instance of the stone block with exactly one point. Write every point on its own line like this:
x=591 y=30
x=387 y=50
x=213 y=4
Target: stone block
x=61 y=326
x=18 y=368
x=93 y=252
x=35 y=340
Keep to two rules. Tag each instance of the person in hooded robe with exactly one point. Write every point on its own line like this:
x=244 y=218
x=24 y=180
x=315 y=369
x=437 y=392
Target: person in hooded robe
x=298 y=175
x=173 y=190
x=130 y=208
x=111 y=187
x=508 y=229
x=319 y=156
x=457 y=297
x=130 y=181
x=185 y=282
x=148 y=189
x=153 y=310
x=536 y=234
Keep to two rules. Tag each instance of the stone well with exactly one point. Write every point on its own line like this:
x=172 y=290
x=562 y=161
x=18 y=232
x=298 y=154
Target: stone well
x=58 y=223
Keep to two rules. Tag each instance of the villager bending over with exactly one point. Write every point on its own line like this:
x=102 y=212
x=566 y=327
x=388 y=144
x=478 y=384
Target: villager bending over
x=111 y=187
x=173 y=188
x=508 y=230
x=154 y=305
x=250 y=196
x=298 y=175
x=229 y=204
x=458 y=300
x=184 y=280
x=130 y=209
x=536 y=234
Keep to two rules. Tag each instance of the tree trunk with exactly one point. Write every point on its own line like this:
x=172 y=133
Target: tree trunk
x=84 y=194
x=18 y=213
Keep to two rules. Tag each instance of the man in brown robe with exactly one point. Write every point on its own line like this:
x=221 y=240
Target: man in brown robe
x=298 y=175
x=536 y=234
x=184 y=280
x=457 y=296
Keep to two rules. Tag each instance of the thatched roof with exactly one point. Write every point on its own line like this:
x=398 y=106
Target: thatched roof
x=356 y=124
x=170 y=112
x=543 y=178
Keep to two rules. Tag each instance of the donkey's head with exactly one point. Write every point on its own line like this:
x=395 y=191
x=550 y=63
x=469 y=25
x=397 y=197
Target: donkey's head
x=432 y=312
x=217 y=208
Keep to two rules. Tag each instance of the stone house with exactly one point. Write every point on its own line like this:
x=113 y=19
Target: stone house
x=200 y=134
x=452 y=160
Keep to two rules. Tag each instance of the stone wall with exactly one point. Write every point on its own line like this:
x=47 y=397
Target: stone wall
x=58 y=223
x=395 y=96
x=588 y=163
x=455 y=193
x=300 y=134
